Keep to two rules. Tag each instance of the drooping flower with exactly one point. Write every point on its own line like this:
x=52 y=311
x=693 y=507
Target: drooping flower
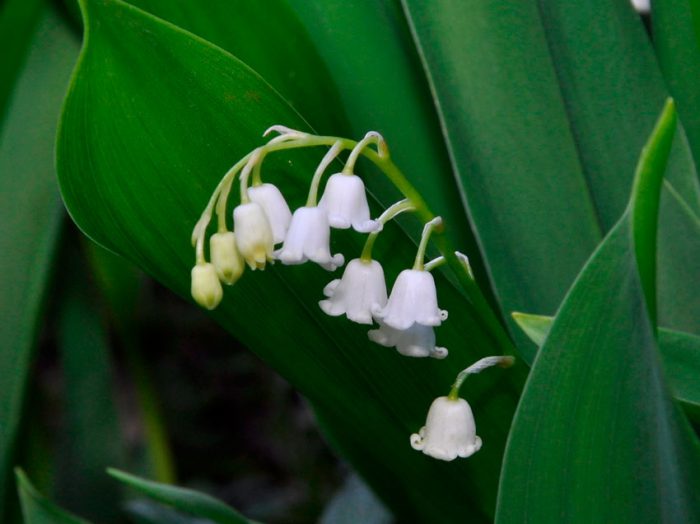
x=206 y=288
x=416 y=341
x=253 y=234
x=269 y=197
x=225 y=257
x=449 y=430
x=413 y=299
x=360 y=291
x=345 y=202
x=308 y=238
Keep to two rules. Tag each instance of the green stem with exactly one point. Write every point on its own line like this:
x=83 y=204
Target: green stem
x=331 y=155
x=427 y=230
x=391 y=212
x=478 y=367
x=370 y=137
x=435 y=263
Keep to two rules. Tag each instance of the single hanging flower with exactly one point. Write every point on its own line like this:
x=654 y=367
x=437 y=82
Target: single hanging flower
x=269 y=197
x=416 y=341
x=206 y=288
x=225 y=257
x=361 y=290
x=253 y=234
x=345 y=201
x=449 y=430
x=413 y=299
x=308 y=238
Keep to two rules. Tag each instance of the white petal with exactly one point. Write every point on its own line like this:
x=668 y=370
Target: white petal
x=413 y=299
x=253 y=234
x=345 y=201
x=308 y=238
x=360 y=291
x=276 y=209
x=450 y=431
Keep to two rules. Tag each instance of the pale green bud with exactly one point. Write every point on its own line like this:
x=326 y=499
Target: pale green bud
x=206 y=288
x=225 y=257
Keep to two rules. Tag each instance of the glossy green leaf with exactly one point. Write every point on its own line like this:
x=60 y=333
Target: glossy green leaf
x=596 y=437
x=137 y=162
x=30 y=214
x=511 y=145
x=369 y=53
x=92 y=432
x=37 y=509
x=677 y=45
x=187 y=500
x=267 y=37
x=680 y=354
x=612 y=87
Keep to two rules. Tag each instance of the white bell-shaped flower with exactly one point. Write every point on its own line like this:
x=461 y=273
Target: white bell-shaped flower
x=345 y=201
x=416 y=341
x=253 y=234
x=308 y=238
x=449 y=431
x=275 y=206
x=225 y=257
x=360 y=291
x=413 y=299
x=206 y=288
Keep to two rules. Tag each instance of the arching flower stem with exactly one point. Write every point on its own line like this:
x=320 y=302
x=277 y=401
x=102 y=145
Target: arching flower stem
x=392 y=211
x=478 y=367
x=331 y=155
x=427 y=231
x=371 y=137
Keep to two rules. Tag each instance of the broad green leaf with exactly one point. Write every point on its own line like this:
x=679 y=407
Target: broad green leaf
x=596 y=437
x=680 y=354
x=30 y=214
x=677 y=45
x=91 y=441
x=39 y=510
x=187 y=500
x=369 y=53
x=509 y=138
x=137 y=162
x=612 y=87
x=267 y=37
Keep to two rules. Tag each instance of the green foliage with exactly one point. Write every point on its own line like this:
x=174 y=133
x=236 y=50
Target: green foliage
x=519 y=124
x=582 y=448
x=39 y=510
x=187 y=500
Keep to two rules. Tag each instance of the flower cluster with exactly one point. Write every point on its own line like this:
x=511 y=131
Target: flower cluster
x=265 y=230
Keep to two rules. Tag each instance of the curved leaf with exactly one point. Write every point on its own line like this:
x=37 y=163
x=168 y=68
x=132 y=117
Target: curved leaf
x=153 y=118
x=31 y=216
x=680 y=354
x=39 y=510
x=187 y=500
x=597 y=437
x=510 y=143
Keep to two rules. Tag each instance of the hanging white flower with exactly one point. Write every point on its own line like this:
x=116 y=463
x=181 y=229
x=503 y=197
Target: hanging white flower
x=345 y=201
x=225 y=257
x=449 y=430
x=413 y=299
x=269 y=197
x=206 y=288
x=308 y=238
x=416 y=341
x=360 y=291
x=253 y=234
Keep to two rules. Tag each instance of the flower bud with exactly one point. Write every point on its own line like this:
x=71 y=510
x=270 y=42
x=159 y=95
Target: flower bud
x=449 y=431
x=225 y=257
x=253 y=234
x=206 y=288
